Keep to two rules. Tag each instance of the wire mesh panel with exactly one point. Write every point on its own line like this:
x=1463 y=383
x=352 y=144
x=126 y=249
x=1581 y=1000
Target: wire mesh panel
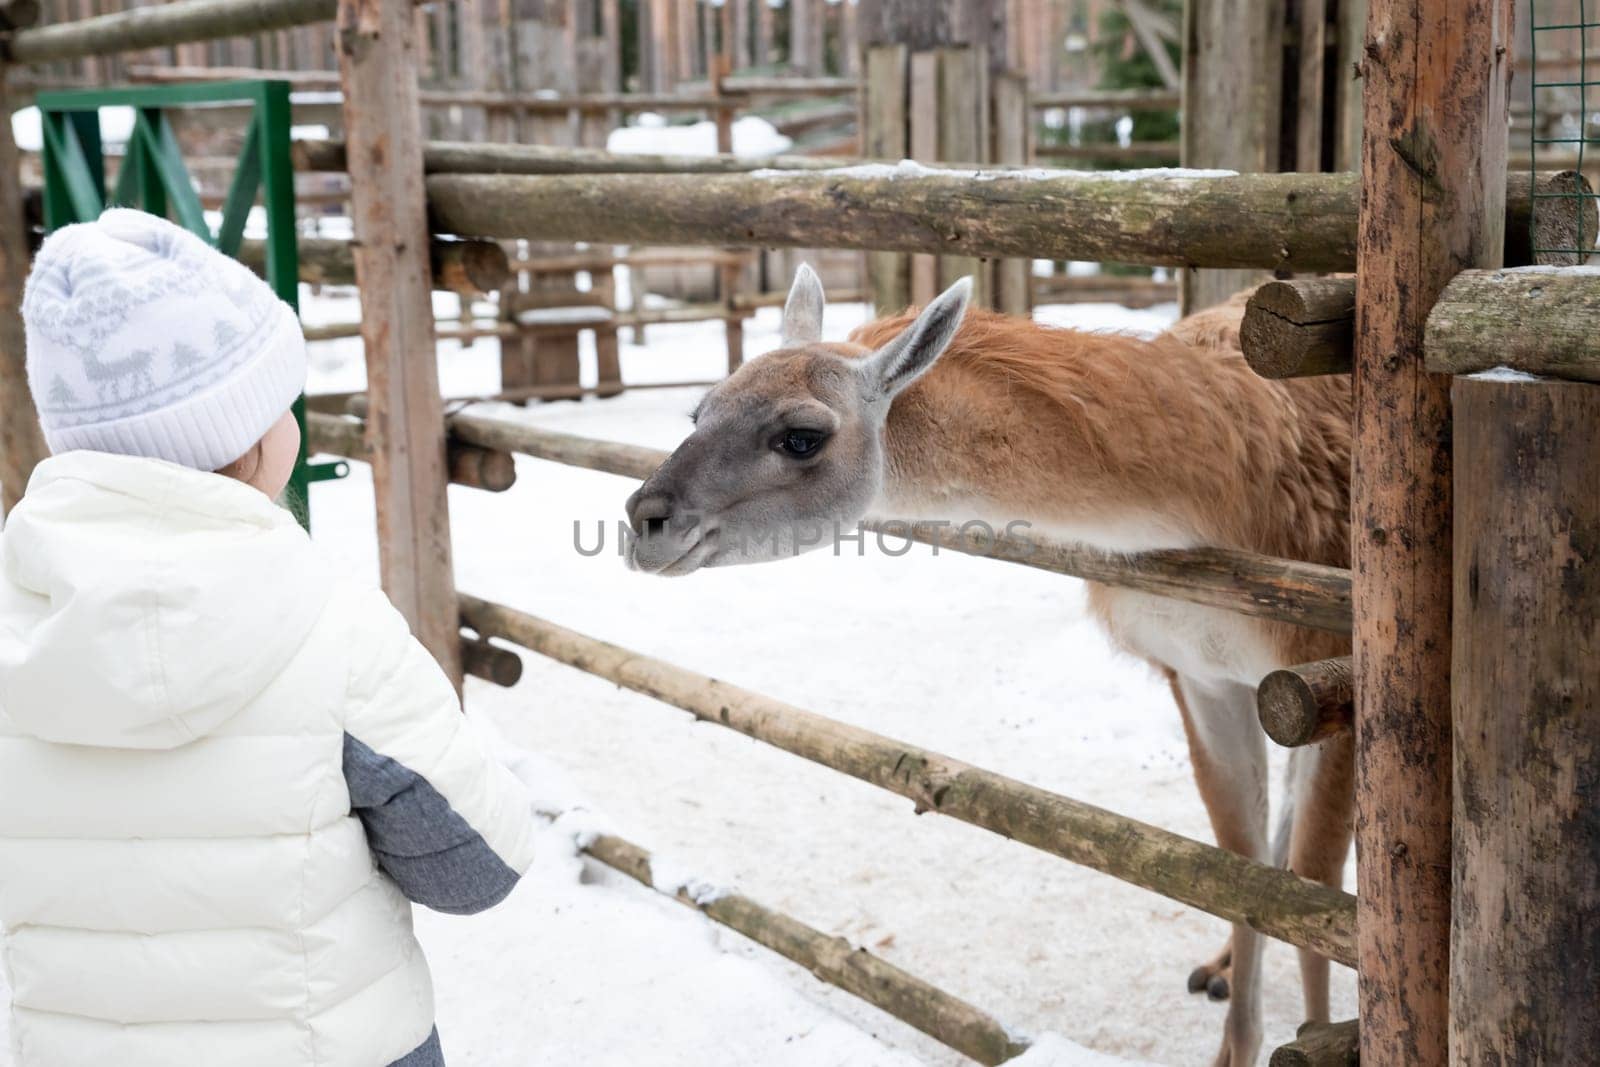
x=1564 y=91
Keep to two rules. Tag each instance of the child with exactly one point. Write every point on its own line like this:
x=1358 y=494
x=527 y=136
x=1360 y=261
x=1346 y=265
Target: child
x=223 y=769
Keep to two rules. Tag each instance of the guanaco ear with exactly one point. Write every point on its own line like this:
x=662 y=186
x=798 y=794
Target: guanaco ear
x=802 y=312
x=904 y=359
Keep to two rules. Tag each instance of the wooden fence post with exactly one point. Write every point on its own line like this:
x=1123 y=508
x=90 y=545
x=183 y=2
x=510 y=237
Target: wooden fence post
x=21 y=442
x=383 y=135
x=729 y=274
x=1525 y=964
x=884 y=136
x=1433 y=191
x=1232 y=108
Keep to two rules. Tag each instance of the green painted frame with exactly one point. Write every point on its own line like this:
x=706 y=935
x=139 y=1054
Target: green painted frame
x=153 y=177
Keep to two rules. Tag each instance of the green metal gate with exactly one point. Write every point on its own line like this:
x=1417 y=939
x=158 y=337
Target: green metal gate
x=153 y=177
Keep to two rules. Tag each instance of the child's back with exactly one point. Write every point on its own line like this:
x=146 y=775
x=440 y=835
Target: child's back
x=223 y=771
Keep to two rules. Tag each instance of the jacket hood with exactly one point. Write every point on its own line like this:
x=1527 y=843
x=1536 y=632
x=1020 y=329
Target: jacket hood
x=144 y=604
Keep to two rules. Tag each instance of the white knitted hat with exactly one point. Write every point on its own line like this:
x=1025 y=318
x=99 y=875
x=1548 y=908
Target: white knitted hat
x=146 y=341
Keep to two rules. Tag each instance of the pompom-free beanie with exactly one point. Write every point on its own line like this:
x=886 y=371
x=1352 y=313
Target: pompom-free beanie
x=145 y=341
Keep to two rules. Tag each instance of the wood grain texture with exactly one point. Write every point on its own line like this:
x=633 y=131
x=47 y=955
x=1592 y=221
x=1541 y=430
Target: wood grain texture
x=1232 y=106
x=1304 y=704
x=496 y=665
x=1541 y=323
x=1307 y=326
x=1299 y=328
x=1321 y=1045
x=383 y=129
x=1272 y=900
x=1433 y=185
x=1271 y=221
x=468 y=267
x=1525 y=957
x=21 y=441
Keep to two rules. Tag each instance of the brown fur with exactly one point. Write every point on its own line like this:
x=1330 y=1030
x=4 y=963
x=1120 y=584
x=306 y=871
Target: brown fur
x=1178 y=424
x=1110 y=440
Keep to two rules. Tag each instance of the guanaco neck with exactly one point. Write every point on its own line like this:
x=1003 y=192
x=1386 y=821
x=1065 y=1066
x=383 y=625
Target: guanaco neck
x=1112 y=441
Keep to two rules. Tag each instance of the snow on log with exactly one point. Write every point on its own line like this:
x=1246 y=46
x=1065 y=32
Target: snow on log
x=1537 y=319
x=1307 y=594
x=1272 y=900
x=1293 y=329
x=1305 y=704
x=945 y=1018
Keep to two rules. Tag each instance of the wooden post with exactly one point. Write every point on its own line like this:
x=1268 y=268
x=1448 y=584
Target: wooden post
x=761 y=48
x=687 y=38
x=383 y=133
x=1525 y=961
x=805 y=36
x=1310 y=111
x=884 y=131
x=21 y=442
x=1010 y=127
x=1433 y=189
x=936 y=105
x=1232 y=100
x=1347 y=111
x=728 y=274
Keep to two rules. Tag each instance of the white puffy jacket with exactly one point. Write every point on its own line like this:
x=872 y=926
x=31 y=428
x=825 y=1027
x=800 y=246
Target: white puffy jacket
x=223 y=770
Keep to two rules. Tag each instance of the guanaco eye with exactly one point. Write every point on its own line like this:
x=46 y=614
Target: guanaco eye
x=800 y=443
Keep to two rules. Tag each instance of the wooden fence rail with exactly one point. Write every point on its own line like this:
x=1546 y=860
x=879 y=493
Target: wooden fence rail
x=460 y=157
x=1297 y=222
x=1272 y=900
x=159 y=27
x=945 y=1018
x=1308 y=594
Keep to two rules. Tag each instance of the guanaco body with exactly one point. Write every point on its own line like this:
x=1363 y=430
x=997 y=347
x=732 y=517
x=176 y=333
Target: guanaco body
x=1116 y=442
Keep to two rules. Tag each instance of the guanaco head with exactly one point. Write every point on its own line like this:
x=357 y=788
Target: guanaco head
x=788 y=446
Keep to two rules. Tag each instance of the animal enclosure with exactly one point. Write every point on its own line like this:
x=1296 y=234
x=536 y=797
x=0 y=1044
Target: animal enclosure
x=1470 y=608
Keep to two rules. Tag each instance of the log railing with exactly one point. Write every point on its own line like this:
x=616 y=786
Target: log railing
x=158 y=27
x=1306 y=594
x=1296 y=222
x=1539 y=320
x=945 y=1018
x=1272 y=900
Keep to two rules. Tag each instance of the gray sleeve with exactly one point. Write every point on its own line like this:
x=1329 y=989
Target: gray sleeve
x=419 y=841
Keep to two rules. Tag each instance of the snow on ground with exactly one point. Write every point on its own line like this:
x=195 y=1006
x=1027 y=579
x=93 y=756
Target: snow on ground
x=993 y=663
x=651 y=133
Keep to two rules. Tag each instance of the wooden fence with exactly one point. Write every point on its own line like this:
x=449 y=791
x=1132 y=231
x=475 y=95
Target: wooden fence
x=1397 y=927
